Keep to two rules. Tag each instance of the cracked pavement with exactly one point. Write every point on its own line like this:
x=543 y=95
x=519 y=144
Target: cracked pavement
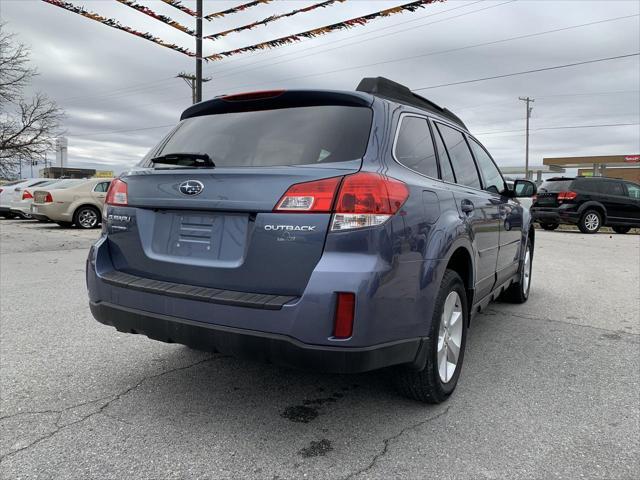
x=549 y=389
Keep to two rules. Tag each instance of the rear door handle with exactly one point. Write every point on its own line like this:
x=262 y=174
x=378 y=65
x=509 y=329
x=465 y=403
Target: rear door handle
x=466 y=206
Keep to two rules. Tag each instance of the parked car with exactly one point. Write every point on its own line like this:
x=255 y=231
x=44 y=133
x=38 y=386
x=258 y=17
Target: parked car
x=72 y=202
x=20 y=203
x=589 y=203
x=7 y=192
x=337 y=231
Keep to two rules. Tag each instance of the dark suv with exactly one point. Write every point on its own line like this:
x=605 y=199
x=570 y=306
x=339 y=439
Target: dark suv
x=589 y=202
x=337 y=231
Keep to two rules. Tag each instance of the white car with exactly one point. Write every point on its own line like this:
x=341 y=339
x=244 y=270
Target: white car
x=23 y=197
x=8 y=189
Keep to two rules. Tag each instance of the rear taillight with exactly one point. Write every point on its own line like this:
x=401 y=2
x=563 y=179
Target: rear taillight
x=345 y=311
x=48 y=198
x=117 y=194
x=534 y=198
x=363 y=200
x=315 y=197
x=567 y=195
x=26 y=195
x=367 y=199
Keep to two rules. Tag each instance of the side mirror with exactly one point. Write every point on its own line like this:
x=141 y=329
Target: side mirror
x=524 y=189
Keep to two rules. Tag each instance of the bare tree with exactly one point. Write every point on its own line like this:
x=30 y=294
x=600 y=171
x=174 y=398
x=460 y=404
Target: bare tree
x=28 y=126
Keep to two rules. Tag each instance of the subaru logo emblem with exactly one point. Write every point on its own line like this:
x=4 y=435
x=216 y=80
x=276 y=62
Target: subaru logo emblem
x=191 y=187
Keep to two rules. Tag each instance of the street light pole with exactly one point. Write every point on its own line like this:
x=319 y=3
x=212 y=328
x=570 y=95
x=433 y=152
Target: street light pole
x=198 y=96
x=526 y=157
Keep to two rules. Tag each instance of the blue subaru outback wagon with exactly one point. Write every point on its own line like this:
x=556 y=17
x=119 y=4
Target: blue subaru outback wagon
x=331 y=230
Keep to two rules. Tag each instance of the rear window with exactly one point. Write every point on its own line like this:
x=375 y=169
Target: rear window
x=555 y=186
x=288 y=136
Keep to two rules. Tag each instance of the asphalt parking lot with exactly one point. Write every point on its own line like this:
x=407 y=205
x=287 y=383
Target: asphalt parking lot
x=549 y=389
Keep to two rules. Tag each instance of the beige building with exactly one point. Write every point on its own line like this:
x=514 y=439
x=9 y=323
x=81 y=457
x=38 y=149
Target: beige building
x=614 y=166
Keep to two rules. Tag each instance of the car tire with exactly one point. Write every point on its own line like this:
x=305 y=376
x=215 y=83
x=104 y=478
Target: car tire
x=621 y=230
x=590 y=222
x=549 y=226
x=87 y=217
x=518 y=292
x=437 y=380
x=65 y=224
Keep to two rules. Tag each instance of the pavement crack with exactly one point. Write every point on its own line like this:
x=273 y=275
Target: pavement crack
x=113 y=398
x=388 y=440
x=552 y=320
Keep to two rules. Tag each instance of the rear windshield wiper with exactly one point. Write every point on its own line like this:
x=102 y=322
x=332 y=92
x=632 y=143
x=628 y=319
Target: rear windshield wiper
x=188 y=160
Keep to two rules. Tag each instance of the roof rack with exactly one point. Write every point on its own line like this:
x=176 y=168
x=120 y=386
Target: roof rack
x=383 y=87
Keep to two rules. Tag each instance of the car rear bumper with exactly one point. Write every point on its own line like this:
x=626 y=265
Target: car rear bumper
x=553 y=215
x=262 y=346
x=391 y=321
x=51 y=211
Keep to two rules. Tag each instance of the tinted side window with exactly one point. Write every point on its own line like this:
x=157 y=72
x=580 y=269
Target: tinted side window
x=445 y=163
x=492 y=179
x=613 y=188
x=587 y=185
x=461 y=159
x=414 y=147
x=633 y=190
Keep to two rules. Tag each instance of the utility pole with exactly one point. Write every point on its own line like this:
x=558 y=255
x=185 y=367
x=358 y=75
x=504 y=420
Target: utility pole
x=529 y=109
x=198 y=95
x=191 y=80
x=195 y=81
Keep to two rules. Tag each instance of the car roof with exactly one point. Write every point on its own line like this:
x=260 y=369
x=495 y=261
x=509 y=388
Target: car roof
x=365 y=94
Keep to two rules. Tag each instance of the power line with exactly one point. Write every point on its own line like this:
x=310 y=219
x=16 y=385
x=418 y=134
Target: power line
x=121 y=131
x=134 y=89
x=271 y=62
x=556 y=67
x=558 y=95
x=451 y=50
x=561 y=127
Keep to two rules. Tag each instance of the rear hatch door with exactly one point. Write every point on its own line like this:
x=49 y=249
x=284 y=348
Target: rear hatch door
x=547 y=196
x=215 y=227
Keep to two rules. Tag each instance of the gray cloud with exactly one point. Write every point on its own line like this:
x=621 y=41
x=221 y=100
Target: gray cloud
x=109 y=81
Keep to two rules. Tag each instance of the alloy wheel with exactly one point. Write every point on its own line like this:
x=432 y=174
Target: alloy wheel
x=88 y=218
x=526 y=271
x=450 y=336
x=592 y=222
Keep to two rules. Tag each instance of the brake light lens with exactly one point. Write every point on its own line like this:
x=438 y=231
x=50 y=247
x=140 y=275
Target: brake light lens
x=364 y=199
x=367 y=199
x=316 y=196
x=345 y=312
x=26 y=195
x=249 y=96
x=117 y=194
x=567 y=195
x=48 y=198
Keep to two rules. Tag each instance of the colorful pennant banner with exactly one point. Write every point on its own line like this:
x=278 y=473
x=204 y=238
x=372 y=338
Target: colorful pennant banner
x=164 y=19
x=239 y=8
x=110 y=22
x=272 y=18
x=178 y=4
x=297 y=37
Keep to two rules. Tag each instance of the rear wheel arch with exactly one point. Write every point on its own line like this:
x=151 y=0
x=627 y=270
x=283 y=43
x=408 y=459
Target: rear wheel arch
x=461 y=262
x=597 y=206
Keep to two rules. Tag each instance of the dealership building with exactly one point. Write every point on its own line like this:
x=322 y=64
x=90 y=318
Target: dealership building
x=626 y=167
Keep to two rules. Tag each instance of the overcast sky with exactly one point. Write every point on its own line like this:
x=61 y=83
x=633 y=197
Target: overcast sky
x=120 y=94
